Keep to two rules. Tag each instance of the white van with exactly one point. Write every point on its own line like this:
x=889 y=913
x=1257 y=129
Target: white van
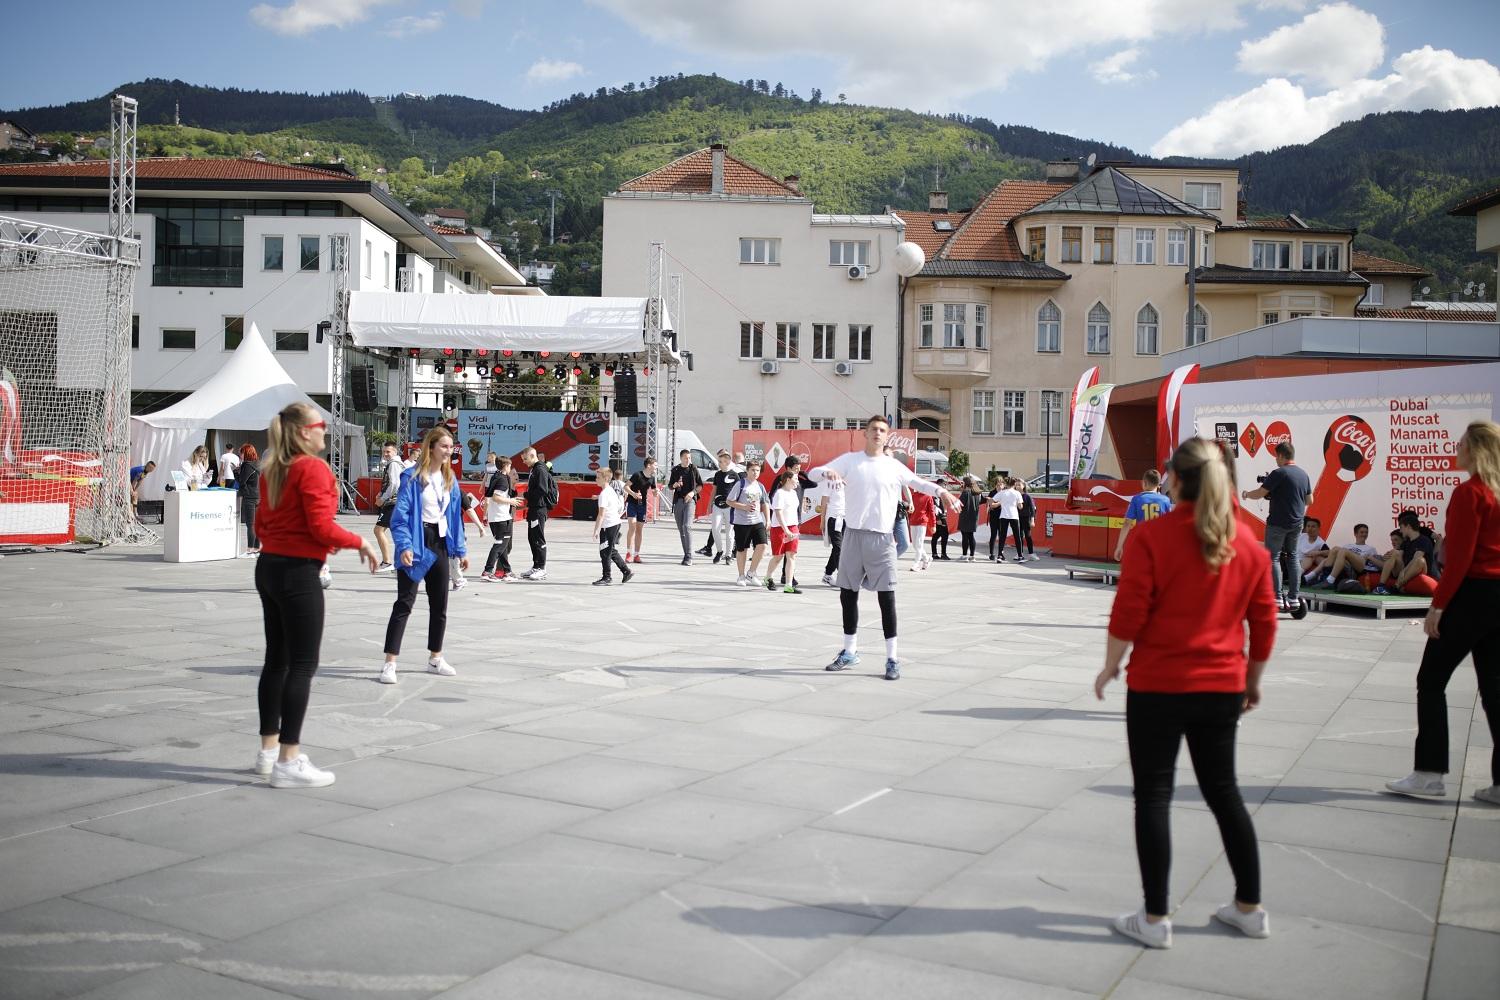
x=931 y=465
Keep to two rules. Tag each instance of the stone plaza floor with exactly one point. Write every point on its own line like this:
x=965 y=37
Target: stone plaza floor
x=655 y=792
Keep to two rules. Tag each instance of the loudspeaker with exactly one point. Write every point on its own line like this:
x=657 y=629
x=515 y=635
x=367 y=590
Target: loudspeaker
x=625 y=404
x=586 y=509
x=362 y=387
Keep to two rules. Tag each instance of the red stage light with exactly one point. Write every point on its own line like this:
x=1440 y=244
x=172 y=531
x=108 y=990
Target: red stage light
x=575 y=354
x=415 y=352
x=541 y=369
x=646 y=371
x=609 y=370
x=506 y=353
x=448 y=352
x=544 y=354
x=458 y=369
x=577 y=370
x=483 y=352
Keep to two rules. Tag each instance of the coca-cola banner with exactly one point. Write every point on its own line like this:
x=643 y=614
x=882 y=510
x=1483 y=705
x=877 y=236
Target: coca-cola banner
x=1373 y=443
x=575 y=443
x=813 y=448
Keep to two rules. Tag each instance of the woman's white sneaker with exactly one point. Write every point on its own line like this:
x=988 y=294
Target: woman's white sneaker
x=1256 y=923
x=440 y=667
x=1490 y=795
x=299 y=773
x=388 y=674
x=265 y=760
x=1135 y=925
x=1424 y=783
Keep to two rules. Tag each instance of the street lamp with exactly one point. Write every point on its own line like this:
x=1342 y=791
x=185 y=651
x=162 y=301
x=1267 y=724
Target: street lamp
x=885 y=401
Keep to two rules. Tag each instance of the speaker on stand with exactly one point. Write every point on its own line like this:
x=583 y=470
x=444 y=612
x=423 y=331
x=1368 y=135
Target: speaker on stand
x=625 y=398
x=362 y=388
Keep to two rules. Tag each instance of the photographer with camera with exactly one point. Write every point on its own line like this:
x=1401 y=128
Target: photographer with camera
x=1290 y=493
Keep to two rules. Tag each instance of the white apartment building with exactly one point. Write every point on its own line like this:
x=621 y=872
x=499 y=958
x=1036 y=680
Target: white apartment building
x=790 y=316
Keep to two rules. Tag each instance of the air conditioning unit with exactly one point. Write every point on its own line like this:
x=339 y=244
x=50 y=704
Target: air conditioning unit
x=843 y=368
x=770 y=367
x=857 y=272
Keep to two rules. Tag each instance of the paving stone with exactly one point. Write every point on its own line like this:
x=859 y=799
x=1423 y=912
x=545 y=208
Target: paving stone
x=1465 y=964
x=596 y=781
x=495 y=752
x=379 y=782
x=1356 y=830
x=998 y=781
x=797 y=783
x=704 y=747
x=223 y=820
x=537 y=978
x=179 y=982
x=936 y=820
x=873 y=975
x=1470 y=894
x=693 y=825
x=880 y=754
x=57 y=862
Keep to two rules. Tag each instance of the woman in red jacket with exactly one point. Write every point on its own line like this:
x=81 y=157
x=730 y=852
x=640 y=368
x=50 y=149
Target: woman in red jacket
x=294 y=522
x=1463 y=619
x=1189 y=583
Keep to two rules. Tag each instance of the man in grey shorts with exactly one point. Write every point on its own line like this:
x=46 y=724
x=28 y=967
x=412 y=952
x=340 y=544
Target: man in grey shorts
x=872 y=486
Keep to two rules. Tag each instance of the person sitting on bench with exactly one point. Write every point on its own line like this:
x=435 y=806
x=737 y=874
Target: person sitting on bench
x=1408 y=569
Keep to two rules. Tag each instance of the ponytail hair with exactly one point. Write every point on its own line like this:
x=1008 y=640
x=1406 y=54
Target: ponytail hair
x=1205 y=478
x=427 y=464
x=783 y=477
x=1483 y=441
x=284 y=446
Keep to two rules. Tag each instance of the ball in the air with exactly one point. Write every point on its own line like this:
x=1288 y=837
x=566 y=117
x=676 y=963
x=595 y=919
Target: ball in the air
x=910 y=259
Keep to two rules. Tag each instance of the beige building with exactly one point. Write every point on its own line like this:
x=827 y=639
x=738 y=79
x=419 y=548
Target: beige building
x=14 y=135
x=1044 y=279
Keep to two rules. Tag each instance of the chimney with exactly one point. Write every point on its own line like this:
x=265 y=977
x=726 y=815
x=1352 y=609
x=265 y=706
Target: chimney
x=1062 y=170
x=937 y=201
x=793 y=181
x=717 y=187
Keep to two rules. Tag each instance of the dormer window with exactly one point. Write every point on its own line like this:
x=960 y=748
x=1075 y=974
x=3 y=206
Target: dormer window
x=1320 y=256
x=1036 y=244
x=1206 y=196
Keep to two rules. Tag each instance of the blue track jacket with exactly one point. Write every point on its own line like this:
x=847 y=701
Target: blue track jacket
x=406 y=526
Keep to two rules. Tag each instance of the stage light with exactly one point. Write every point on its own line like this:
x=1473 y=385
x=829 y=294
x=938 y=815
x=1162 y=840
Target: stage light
x=438 y=368
x=609 y=369
x=506 y=353
x=541 y=369
x=559 y=372
x=646 y=371
x=415 y=352
x=544 y=354
x=510 y=371
x=458 y=368
x=447 y=352
x=575 y=354
x=483 y=352
x=594 y=370
x=577 y=370
x=482 y=370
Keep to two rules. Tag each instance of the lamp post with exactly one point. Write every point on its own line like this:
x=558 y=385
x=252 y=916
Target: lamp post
x=885 y=401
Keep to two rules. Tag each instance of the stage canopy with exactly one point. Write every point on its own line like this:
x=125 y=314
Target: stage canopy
x=558 y=323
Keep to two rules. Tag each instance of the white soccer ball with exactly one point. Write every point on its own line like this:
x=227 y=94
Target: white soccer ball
x=910 y=259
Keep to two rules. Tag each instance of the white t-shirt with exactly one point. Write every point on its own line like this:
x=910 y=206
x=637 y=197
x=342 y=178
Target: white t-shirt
x=747 y=491
x=435 y=501
x=836 y=505
x=872 y=486
x=496 y=509
x=229 y=464
x=1009 y=502
x=785 y=511
x=611 y=506
x=1304 y=545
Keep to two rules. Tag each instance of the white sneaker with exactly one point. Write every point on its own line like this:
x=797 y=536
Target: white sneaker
x=386 y=568
x=742 y=581
x=829 y=581
x=264 y=761
x=1424 y=783
x=460 y=583
x=299 y=773
x=441 y=667
x=1135 y=925
x=325 y=577
x=1033 y=558
x=388 y=673
x=537 y=574
x=1256 y=924
x=1490 y=795
x=525 y=574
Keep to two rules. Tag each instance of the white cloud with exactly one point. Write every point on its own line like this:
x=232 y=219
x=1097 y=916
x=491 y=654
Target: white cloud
x=302 y=16
x=883 y=54
x=1280 y=113
x=1332 y=46
x=552 y=71
x=1116 y=68
x=412 y=24
x=469 y=8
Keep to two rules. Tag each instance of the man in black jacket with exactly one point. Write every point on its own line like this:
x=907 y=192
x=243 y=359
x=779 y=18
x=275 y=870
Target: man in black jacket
x=684 y=483
x=541 y=497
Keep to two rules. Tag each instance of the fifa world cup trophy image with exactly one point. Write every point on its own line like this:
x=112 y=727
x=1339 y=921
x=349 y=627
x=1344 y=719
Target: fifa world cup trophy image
x=1348 y=457
x=474 y=445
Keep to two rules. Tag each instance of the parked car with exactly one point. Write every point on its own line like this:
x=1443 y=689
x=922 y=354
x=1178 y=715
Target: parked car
x=1053 y=482
x=931 y=465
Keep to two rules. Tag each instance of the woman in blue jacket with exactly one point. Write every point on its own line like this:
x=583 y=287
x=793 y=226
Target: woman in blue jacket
x=427 y=527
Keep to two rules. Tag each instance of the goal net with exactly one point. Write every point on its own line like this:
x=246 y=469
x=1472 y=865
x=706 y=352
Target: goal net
x=65 y=327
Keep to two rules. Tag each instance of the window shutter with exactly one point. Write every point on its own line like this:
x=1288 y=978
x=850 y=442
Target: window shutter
x=1124 y=245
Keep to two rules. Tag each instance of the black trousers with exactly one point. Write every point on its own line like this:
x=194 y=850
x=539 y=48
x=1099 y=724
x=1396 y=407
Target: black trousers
x=1468 y=625
x=995 y=532
x=1009 y=526
x=940 y=536
x=247 y=514
x=609 y=554
x=291 y=600
x=536 y=536
x=1026 y=533
x=966 y=543
x=1155 y=725
x=835 y=531
x=499 y=558
x=436 y=582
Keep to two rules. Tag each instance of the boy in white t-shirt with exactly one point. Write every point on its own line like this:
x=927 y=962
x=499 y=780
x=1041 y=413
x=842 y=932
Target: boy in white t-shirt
x=1008 y=500
x=500 y=511
x=229 y=466
x=607 y=527
x=786 y=527
x=747 y=501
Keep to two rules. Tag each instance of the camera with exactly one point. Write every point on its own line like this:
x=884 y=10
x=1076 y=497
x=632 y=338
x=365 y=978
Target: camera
x=1261 y=480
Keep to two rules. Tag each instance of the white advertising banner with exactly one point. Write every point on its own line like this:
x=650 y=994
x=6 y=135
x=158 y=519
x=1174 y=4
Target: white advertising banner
x=1373 y=443
x=1088 y=430
x=200 y=525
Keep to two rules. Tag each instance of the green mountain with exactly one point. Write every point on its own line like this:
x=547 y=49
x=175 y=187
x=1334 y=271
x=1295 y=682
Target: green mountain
x=1392 y=176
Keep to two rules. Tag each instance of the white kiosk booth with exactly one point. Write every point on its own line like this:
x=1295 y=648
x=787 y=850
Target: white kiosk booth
x=200 y=525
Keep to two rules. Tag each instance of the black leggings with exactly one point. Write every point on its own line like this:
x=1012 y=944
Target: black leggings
x=500 y=551
x=967 y=539
x=291 y=599
x=536 y=535
x=436 y=582
x=849 y=600
x=1468 y=625
x=995 y=533
x=608 y=539
x=248 y=516
x=1154 y=726
x=835 y=542
x=1026 y=533
x=940 y=535
x=1009 y=526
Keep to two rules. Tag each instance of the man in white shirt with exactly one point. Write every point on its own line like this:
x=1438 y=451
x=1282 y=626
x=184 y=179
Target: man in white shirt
x=607 y=527
x=1311 y=547
x=833 y=528
x=867 y=558
x=1361 y=557
x=229 y=464
x=391 y=468
x=748 y=502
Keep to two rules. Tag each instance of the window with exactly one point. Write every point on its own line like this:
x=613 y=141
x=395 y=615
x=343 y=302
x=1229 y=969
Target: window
x=1210 y=196
x=1015 y=411
x=1298 y=315
x=984 y=411
x=1104 y=245
x=179 y=340
x=1145 y=246
x=924 y=317
x=1049 y=328
x=823 y=342
x=981 y=316
x=1036 y=243
x=388 y=269
x=754 y=250
x=234 y=332
x=1320 y=256
x=1267 y=318
x=785 y=423
x=1177 y=247
x=1052 y=407
x=787 y=336
x=749 y=423
x=270 y=253
x=309 y=253
x=1268 y=256
x=1376 y=295
x=291 y=340
x=1198 y=331
x=1098 y=331
x=135 y=332
x=752 y=340
x=845 y=253
x=820 y=423
x=1072 y=244
x=953 y=324
x=369 y=258
x=854 y=424
x=1147 y=327
x=859 y=342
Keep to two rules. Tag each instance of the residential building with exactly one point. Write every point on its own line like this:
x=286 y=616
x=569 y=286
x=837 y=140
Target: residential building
x=455 y=217
x=1044 y=279
x=1393 y=284
x=790 y=315
x=14 y=135
x=1485 y=210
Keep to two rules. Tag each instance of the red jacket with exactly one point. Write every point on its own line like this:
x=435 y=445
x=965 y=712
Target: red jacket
x=1187 y=623
x=302 y=523
x=1472 y=546
x=922 y=514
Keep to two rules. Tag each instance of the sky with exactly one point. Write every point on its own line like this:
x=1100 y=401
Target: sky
x=1163 y=77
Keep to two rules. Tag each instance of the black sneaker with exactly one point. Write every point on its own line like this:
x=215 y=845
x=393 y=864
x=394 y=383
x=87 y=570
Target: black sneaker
x=687 y=562
x=716 y=559
x=604 y=581
x=892 y=670
x=625 y=578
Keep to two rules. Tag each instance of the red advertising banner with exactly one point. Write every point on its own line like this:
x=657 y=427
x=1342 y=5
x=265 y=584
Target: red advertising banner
x=814 y=448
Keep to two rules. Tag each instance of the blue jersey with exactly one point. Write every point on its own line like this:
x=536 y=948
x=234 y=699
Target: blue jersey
x=1145 y=506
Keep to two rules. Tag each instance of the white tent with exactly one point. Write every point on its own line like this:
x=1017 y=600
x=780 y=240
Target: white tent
x=240 y=399
x=560 y=323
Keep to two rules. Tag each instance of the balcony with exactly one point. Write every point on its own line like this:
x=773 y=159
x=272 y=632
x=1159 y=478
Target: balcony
x=951 y=367
x=167 y=275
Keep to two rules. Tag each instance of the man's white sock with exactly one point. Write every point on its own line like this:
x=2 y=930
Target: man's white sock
x=890 y=648
x=850 y=642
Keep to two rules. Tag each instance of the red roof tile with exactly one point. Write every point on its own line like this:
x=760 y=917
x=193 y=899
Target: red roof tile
x=1419 y=312
x=1264 y=222
x=1368 y=262
x=693 y=174
x=986 y=233
x=919 y=228
x=181 y=168
x=442 y=230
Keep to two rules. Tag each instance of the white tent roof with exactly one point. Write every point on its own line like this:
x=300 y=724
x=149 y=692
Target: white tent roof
x=614 y=325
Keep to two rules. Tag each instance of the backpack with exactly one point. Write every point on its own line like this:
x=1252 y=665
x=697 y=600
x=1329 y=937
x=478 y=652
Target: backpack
x=1350 y=587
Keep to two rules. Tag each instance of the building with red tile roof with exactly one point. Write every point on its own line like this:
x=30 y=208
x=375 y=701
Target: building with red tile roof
x=711 y=171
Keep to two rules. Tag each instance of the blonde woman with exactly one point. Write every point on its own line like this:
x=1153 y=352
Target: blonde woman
x=1463 y=620
x=294 y=525
x=1189 y=585
x=427 y=527
x=198 y=468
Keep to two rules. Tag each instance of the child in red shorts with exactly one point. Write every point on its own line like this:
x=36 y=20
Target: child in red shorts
x=786 y=522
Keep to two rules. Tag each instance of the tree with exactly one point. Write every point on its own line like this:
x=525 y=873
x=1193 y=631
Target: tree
x=817 y=97
x=778 y=90
x=841 y=98
x=762 y=86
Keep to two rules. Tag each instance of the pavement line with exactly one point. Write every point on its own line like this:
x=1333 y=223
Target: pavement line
x=868 y=798
x=254 y=972
x=46 y=938
x=738 y=939
x=1358 y=881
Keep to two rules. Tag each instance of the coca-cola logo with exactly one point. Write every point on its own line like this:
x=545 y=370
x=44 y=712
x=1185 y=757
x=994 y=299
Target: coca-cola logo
x=1354 y=431
x=1278 y=433
x=586 y=420
x=1350 y=442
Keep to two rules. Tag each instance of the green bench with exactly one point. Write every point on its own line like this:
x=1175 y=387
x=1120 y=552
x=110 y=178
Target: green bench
x=1108 y=572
